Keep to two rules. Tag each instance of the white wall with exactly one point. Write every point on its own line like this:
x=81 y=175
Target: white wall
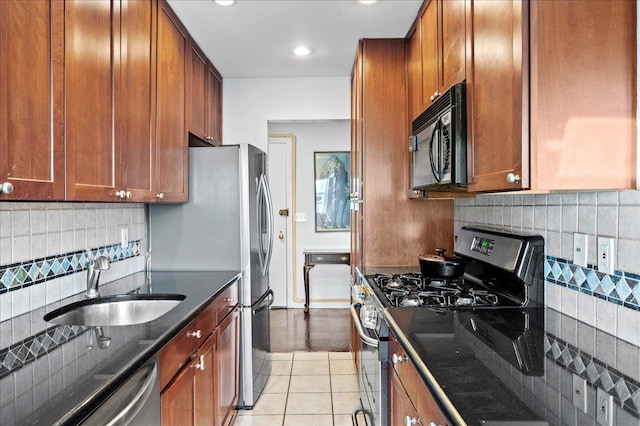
x=248 y=107
x=250 y=103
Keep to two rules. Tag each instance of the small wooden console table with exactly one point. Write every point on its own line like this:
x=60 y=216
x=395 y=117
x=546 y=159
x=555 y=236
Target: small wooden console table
x=314 y=257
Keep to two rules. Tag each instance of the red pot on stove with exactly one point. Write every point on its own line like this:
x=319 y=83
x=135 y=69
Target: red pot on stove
x=441 y=266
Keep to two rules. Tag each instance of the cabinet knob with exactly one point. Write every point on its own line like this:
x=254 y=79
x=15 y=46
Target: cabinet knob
x=197 y=334
x=512 y=178
x=121 y=194
x=160 y=196
x=127 y=194
x=411 y=421
x=398 y=358
x=200 y=365
x=6 y=188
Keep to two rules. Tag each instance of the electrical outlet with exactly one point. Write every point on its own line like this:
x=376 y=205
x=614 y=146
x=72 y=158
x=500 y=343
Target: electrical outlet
x=124 y=238
x=606 y=255
x=580 y=393
x=301 y=217
x=604 y=408
x=580 y=244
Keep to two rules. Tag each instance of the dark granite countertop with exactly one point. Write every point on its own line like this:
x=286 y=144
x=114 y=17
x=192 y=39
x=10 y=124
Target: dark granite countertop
x=70 y=375
x=517 y=366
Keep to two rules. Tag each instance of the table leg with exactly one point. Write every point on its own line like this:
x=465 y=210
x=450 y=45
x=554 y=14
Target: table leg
x=306 y=268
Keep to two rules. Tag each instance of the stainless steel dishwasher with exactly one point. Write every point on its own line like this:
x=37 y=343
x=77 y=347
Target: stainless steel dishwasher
x=135 y=403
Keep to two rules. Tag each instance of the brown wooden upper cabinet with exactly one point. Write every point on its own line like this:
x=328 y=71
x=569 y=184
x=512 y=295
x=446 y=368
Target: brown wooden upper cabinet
x=205 y=84
x=109 y=91
x=31 y=100
x=569 y=124
x=172 y=141
x=436 y=52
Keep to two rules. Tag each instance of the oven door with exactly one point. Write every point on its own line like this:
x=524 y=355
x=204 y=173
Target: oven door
x=371 y=382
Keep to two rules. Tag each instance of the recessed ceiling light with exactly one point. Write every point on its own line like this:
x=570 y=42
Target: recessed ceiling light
x=367 y=1
x=301 y=51
x=225 y=2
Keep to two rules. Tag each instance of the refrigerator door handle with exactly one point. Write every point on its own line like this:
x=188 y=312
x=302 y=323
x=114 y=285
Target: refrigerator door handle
x=268 y=295
x=259 y=216
x=269 y=206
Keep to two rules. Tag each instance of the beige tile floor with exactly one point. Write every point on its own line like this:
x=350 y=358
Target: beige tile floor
x=306 y=388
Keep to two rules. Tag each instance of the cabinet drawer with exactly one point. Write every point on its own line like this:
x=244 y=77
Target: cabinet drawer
x=426 y=407
x=225 y=302
x=179 y=351
x=329 y=258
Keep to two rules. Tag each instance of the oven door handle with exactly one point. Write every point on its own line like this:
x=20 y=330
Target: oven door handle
x=369 y=341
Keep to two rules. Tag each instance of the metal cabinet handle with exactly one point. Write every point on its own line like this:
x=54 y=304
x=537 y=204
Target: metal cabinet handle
x=128 y=194
x=160 y=196
x=6 y=188
x=399 y=358
x=412 y=421
x=197 y=334
x=229 y=299
x=513 y=178
x=121 y=194
x=200 y=365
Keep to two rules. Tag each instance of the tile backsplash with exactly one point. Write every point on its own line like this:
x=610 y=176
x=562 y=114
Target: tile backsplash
x=44 y=249
x=608 y=302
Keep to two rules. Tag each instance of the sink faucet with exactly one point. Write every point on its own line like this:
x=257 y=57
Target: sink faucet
x=96 y=265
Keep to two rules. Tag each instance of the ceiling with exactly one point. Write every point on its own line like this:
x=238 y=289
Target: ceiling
x=255 y=38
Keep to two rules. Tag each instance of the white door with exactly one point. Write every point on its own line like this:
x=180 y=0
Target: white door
x=279 y=174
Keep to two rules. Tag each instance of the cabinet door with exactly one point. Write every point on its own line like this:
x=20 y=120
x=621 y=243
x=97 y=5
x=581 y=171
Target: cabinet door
x=400 y=406
x=135 y=97
x=414 y=74
x=177 y=400
x=197 y=78
x=91 y=34
x=31 y=99
x=214 y=105
x=227 y=355
x=453 y=47
x=205 y=383
x=583 y=129
x=497 y=97
x=171 y=171
x=356 y=161
x=430 y=60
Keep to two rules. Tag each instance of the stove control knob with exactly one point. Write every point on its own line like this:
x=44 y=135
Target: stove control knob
x=399 y=358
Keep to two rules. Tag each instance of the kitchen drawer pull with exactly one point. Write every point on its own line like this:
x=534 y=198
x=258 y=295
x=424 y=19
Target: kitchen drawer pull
x=356 y=320
x=229 y=299
x=399 y=358
x=200 y=365
x=412 y=421
x=197 y=334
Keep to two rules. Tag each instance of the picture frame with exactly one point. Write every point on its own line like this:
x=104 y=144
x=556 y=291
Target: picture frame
x=332 y=189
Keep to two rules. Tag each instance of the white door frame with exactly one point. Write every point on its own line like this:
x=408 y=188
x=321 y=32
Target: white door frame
x=290 y=141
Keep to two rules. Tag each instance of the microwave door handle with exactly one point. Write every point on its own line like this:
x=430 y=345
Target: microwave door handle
x=435 y=162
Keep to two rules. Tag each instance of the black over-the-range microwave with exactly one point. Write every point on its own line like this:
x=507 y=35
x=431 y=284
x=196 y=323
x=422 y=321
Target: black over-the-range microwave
x=439 y=144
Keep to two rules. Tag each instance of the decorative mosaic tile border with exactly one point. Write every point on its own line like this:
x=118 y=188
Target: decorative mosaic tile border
x=625 y=390
x=22 y=353
x=30 y=272
x=622 y=288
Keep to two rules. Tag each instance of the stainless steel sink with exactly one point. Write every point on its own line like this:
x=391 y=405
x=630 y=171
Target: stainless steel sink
x=115 y=310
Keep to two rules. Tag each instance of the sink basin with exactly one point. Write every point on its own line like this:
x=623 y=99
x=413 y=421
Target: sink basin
x=115 y=310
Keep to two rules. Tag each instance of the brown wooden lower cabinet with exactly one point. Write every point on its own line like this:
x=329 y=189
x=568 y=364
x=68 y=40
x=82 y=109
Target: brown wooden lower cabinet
x=410 y=401
x=189 y=398
x=227 y=367
x=203 y=388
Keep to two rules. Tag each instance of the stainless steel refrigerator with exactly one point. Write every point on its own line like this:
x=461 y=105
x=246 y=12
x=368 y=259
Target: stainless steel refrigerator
x=226 y=225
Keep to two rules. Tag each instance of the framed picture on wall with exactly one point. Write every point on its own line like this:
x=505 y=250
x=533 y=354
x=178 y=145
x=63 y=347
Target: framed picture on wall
x=332 y=191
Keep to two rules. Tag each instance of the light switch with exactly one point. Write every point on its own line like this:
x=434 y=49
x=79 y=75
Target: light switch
x=580 y=244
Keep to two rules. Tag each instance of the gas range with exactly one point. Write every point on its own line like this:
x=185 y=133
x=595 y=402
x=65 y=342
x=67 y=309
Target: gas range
x=508 y=275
